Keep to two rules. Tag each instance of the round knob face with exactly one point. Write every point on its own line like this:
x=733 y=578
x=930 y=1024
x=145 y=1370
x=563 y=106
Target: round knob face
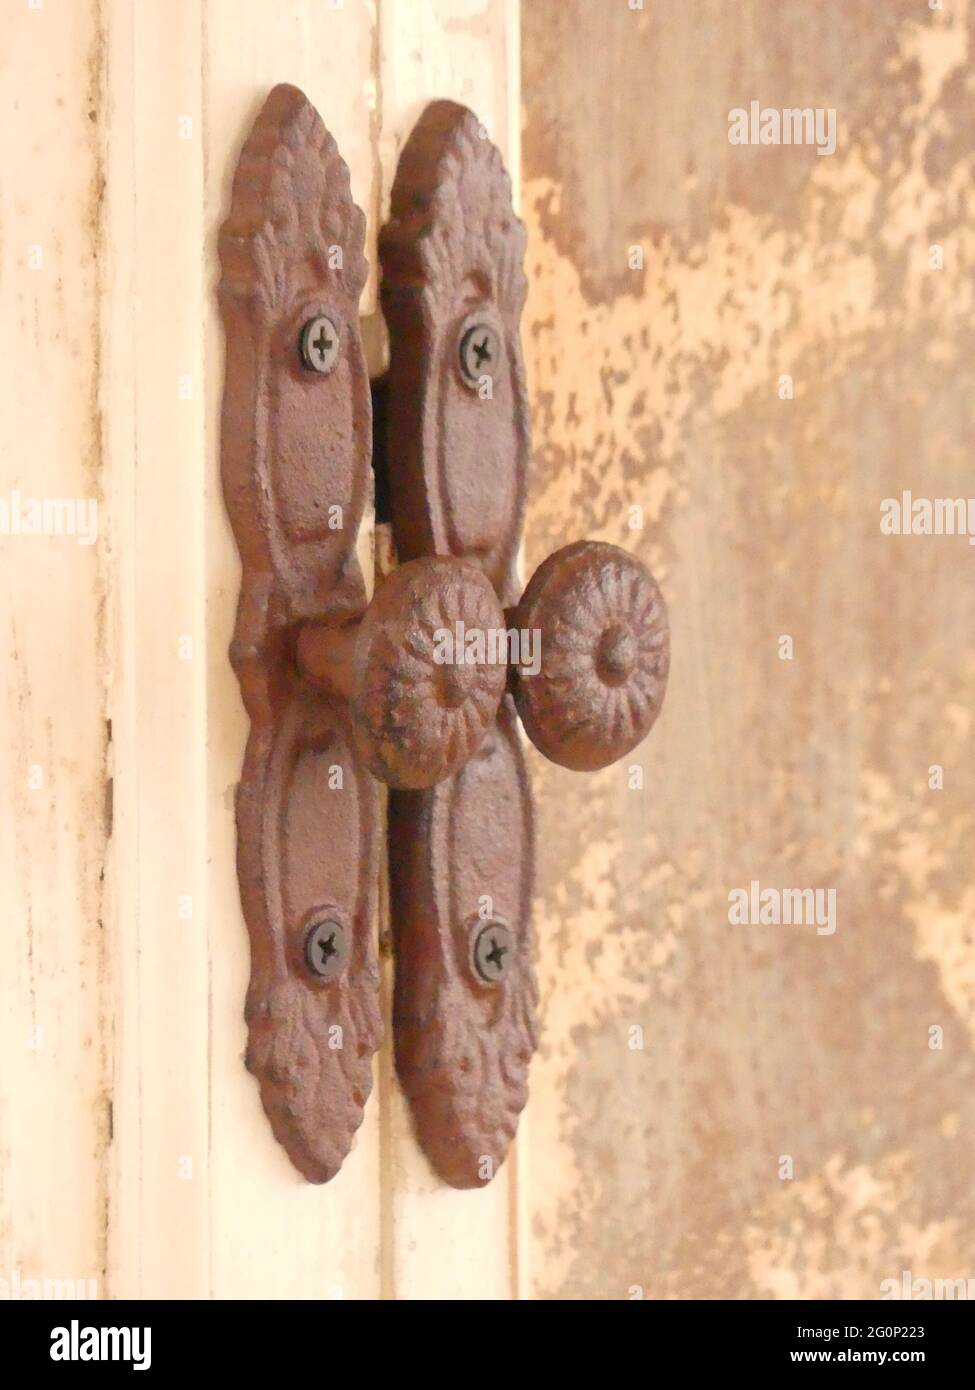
x=425 y=688
x=604 y=644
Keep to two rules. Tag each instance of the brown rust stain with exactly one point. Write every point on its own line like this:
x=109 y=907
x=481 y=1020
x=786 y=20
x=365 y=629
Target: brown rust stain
x=660 y=388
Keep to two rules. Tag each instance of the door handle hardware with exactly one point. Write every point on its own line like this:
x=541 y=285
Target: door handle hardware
x=341 y=693
x=416 y=721
x=461 y=851
x=413 y=724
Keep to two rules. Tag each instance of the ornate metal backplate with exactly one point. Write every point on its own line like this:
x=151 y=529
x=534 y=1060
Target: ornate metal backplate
x=296 y=441
x=338 y=694
x=461 y=853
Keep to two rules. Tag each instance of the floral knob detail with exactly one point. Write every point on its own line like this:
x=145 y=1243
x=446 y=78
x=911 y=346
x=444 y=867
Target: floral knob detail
x=429 y=671
x=605 y=654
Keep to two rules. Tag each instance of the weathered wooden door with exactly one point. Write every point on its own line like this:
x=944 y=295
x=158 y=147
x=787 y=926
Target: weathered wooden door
x=677 y=283
x=134 y=1150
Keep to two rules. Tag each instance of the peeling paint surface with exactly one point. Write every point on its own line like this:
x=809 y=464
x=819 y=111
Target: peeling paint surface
x=658 y=1170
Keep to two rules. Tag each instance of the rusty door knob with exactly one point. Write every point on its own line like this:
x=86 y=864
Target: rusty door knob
x=415 y=718
x=603 y=643
x=586 y=652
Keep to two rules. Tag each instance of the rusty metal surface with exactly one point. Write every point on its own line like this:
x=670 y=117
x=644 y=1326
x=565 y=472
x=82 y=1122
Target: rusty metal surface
x=604 y=643
x=463 y=1045
x=461 y=854
x=458 y=462
x=418 y=720
x=452 y=257
x=295 y=446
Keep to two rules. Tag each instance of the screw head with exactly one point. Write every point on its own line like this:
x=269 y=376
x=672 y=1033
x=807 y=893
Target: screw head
x=480 y=352
x=326 y=949
x=492 y=952
x=319 y=344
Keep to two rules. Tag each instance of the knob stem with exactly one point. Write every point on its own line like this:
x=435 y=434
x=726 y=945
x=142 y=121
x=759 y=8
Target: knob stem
x=325 y=657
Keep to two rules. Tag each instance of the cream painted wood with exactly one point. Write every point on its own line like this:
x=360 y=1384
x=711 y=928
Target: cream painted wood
x=153 y=390
x=132 y=1141
x=57 y=954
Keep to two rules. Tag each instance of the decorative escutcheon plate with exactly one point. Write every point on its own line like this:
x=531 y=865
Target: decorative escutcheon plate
x=461 y=853
x=296 y=442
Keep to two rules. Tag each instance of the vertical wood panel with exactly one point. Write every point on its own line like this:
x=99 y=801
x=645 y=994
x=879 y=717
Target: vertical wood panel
x=154 y=362
x=55 y=1033
x=273 y=1235
x=441 y=1243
